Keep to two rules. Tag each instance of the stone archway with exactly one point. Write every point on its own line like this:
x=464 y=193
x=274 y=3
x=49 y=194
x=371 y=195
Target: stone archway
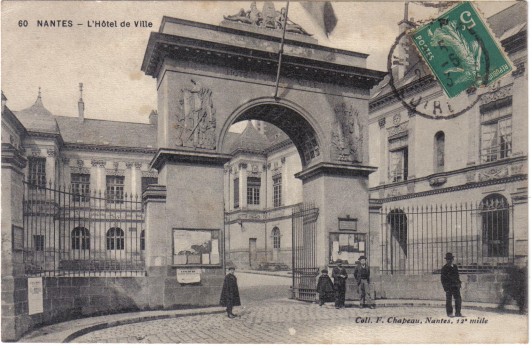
x=293 y=120
x=209 y=77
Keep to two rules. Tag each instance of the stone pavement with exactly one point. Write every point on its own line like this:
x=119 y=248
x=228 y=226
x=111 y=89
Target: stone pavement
x=288 y=321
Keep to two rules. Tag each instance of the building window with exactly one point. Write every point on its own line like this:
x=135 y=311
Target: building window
x=196 y=247
x=253 y=191
x=115 y=239
x=399 y=165
x=115 y=189
x=277 y=191
x=346 y=247
x=496 y=139
x=399 y=232
x=38 y=242
x=276 y=238
x=143 y=240
x=145 y=181
x=236 y=193
x=439 y=152
x=495 y=225
x=80 y=238
x=37 y=171
x=80 y=187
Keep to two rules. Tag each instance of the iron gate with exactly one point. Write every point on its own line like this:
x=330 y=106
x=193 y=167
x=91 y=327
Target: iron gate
x=304 y=265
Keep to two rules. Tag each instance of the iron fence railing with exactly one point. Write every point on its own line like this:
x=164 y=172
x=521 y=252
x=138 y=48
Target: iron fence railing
x=414 y=240
x=70 y=231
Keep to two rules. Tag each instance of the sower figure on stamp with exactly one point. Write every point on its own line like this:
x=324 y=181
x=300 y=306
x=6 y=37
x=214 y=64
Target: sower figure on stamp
x=230 y=296
x=450 y=279
x=339 y=275
x=325 y=288
x=362 y=277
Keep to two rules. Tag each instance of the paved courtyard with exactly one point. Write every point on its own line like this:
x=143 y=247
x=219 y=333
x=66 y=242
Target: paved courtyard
x=268 y=317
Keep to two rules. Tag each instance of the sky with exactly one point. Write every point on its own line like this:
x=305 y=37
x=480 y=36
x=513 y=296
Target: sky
x=108 y=60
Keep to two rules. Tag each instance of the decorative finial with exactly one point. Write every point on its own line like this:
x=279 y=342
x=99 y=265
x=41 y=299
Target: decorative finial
x=81 y=91
x=39 y=95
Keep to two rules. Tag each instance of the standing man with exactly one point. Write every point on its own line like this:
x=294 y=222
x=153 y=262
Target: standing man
x=339 y=275
x=450 y=279
x=362 y=277
x=230 y=296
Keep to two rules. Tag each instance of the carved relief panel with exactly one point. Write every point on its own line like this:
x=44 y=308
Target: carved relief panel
x=196 y=117
x=347 y=134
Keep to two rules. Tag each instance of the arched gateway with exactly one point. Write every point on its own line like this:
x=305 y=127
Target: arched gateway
x=209 y=77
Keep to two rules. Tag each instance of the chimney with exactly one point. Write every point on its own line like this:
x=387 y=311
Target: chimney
x=153 y=117
x=81 y=104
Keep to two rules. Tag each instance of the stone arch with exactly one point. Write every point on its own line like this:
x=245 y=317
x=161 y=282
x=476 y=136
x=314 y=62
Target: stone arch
x=303 y=129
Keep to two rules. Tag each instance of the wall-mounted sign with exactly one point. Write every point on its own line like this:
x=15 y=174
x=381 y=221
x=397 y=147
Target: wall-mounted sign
x=188 y=276
x=347 y=224
x=35 y=296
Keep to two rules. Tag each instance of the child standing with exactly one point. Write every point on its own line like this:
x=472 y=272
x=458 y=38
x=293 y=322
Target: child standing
x=325 y=288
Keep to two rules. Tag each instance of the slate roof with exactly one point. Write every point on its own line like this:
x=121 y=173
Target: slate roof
x=109 y=133
x=38 y=118
x=249 y=140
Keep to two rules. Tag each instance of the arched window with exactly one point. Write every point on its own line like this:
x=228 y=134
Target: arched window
x=142 y=240
x=399 y=228
x=439 y=152
x=115 y=239
x=80 y=237
x=495 y=225
x=276 y=234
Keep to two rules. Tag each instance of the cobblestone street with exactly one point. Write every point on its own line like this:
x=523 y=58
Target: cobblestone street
x=279 y=320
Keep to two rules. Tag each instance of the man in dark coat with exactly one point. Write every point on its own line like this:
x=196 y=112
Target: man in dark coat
x=325 y=288
x=450 y=280
x=339 y=275
x=362 y=277
x=230 y=296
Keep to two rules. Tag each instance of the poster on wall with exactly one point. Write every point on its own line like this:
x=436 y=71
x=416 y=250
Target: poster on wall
x=35 y=296
x=152 y=145
x=196 y=247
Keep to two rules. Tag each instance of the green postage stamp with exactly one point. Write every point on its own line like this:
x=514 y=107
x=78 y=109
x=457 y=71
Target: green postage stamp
x=461 y=51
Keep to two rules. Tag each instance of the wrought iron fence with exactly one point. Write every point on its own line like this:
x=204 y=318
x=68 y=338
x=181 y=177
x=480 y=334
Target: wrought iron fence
x=304 y=254
x=70 y=231
x=414 y=240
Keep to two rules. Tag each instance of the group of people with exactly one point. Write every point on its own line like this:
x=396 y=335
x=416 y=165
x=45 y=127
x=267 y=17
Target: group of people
x=329 y=291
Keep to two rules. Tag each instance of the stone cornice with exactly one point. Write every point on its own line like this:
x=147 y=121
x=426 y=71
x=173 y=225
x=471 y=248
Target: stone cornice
x=410 y=89
x=522 y=177
x=47 y=135
x=107 y=148
x=505 y=162
x=335 y=169
x=11 y=157
x=154 y=193
x=162 y=45
x=166 y=155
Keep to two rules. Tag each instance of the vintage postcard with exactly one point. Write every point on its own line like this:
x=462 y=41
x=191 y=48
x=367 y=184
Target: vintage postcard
x=264 y=172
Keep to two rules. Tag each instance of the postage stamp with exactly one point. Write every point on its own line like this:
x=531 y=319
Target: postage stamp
x=460 y=50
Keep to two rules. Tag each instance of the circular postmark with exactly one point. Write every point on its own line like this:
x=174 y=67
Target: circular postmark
x=427 y=89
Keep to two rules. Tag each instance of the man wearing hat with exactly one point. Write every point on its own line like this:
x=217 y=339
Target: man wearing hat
x=230 y=296
x=362 y=277
x=339 y=275
x=450 y=279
